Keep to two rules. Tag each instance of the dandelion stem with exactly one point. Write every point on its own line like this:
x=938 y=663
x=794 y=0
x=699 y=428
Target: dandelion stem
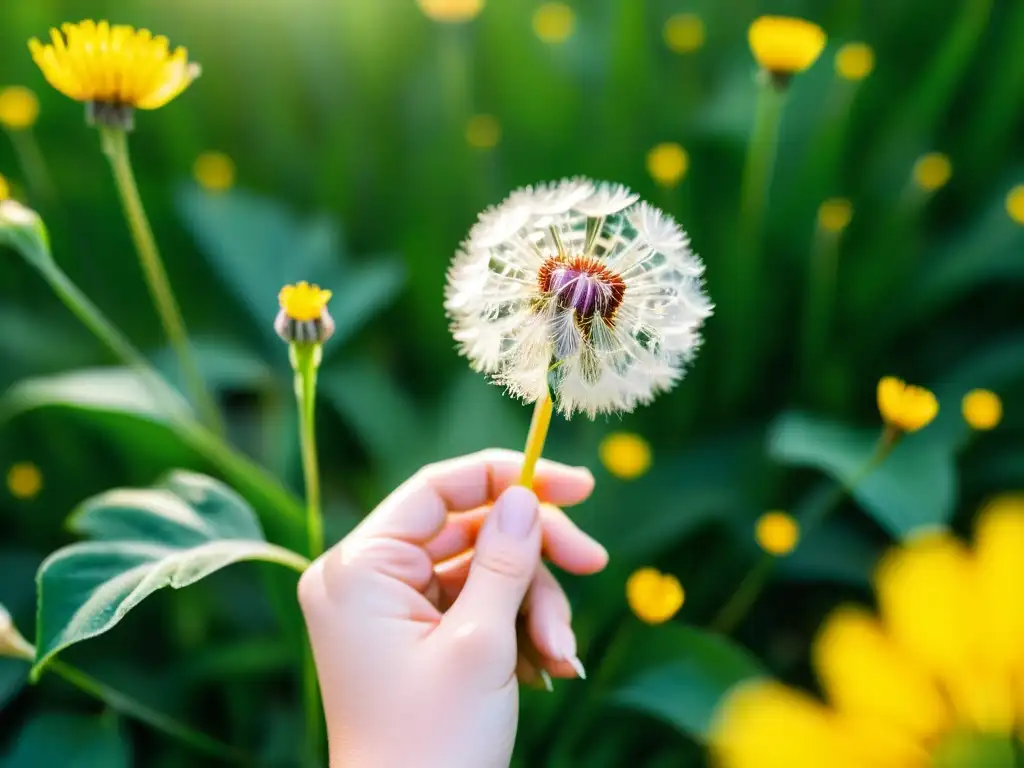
x=33 y=165
x=535 y=439
x=115 y=147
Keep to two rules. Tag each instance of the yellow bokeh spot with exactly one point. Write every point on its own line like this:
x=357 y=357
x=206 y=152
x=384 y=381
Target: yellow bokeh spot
x=19 y=107
x=777 y=533
x=625 y=455
x=1015 y=203
x=906 y=407
x=684 y=32
x=5 y=188
x=667 y=163
x=214 y=171
x=303 y=302
x=982 y=409
x=834 y=214
x=653 y=596
x=24 y=480
x=855 y=61
x=451 y=10
x=932 y=171
x=483 y=132
x=554 y=22
x=784 y=45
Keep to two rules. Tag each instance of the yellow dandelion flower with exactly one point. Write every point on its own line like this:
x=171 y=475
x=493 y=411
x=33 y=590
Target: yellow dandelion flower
x=905 y=407
x=785 y=46
x=667 y=163
x=554 y=22
x=982 y=409
x=5 y=188
x=855 y=61
x=214 y=171
x=303 y=317
x=113 y=68
x=932 y=171
x=1015 y=203
x=19 y=107
x=625 y=455
x=653 y=596
x=945 y=649
x=483 y=132
x=777 y=533
x=835 y=214
x=684 y=33
x=451 y=10
x=24 y=480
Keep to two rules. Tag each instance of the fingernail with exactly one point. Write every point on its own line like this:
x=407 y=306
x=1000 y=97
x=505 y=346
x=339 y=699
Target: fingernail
x=577 y=666
x=564 y=646
x=546 y=679
x=517 y=512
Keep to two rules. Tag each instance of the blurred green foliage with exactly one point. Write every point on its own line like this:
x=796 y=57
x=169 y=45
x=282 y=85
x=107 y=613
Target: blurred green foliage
x=346 y=122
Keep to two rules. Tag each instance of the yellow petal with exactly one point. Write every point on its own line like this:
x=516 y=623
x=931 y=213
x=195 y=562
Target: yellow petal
x=999 y=554
x=785 y=45
x=653 y=596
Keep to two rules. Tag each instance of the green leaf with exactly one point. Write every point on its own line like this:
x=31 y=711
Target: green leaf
x=13 y=676
x=224 y=365
x=69 y=741
x=915 y=487
x=144 y=539
x=686 y=690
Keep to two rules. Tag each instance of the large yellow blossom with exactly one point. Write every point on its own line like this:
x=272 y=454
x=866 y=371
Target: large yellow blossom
x=942 y=662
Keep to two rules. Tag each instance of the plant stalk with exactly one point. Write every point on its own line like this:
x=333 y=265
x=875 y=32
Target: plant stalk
x=821 y=289
x=539 y=425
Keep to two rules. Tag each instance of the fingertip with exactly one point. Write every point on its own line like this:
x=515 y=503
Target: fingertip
x=562 y=484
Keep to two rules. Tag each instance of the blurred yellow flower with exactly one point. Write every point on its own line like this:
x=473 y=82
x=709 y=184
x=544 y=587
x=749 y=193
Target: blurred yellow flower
x=906 y=407
x=932 y=171
x=24 y=480
x=554 y=22
x=653 y=596
x=942 y=659
x=855 y=61
x=5 y=188
x=19 y=107
x=483 y=132
x=777 y=533
x=113 y=68
x=834 y=214
x=684 y=32
x=667 y=163
x=784 y=45
x=214 y=171
x=451 y=10
x=625 y=455
x=1015 y=203
x=982 y=409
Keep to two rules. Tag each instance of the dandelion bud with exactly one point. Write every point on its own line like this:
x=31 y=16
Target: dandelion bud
x=18 y=221
x=304 y=318
x=12 y=644
x=785 y=46
x=653 y=596
x=906 y=407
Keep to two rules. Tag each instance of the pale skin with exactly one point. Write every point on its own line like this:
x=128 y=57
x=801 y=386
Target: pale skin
x=425 y=618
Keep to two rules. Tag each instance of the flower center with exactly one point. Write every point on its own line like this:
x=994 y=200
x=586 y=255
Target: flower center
x=582 y=285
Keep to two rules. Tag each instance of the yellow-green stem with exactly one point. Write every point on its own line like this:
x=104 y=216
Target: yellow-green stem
x=33 y=164
x=535 y=439
x=115 y=147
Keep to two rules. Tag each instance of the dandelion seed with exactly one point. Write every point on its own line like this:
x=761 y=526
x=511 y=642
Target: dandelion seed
x=667 y=163
x=19 y=108
x=905 y=407
x=24 y=480
x=654 y=597
x=932 y=171
x=982 y=409
x=483 y=132
x=1015 y=204
x=785 y=46
x=554 y=22
x=835 y=214
x=303 y=317
x=214 y=171
x=777 y=533
x=855 y=61
x=452 y=11
x=684 y=33
x=578 y=286
x=625 y=455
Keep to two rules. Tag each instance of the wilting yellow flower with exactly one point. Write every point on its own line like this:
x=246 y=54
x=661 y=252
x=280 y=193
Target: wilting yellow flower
x=932 y=171
x=1015 y=203
x=785 y=46
x=19 y=107
x=554 y=22
x=625 y=455
x=906 y=407
x=113 y=68
x=855 y=61
x=667 y=163
x=24 y=480
x=982 y=409
x=777 y=533
x=214 y=171
x=834 y=214
x=684 y=32
x=483 y=132
x=5 y=188
x=943 y=658
x=451 y=10
x=303 y=317
x=653 y=596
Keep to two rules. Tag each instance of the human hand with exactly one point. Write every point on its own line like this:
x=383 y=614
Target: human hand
x=422 y=619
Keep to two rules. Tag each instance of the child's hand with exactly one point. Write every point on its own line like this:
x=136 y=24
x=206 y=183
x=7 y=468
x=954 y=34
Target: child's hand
x=423 y=617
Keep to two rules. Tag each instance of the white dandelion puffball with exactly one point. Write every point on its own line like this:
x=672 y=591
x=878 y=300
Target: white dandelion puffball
x=578 y=287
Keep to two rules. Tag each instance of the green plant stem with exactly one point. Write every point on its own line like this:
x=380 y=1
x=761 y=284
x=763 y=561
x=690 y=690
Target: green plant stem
x=115 y=147
x=33 y=164
x=821 y=288
x=754 y=582
x=131 y=708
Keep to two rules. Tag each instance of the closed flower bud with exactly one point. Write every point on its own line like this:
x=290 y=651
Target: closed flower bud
x=12 y=644
x=304 y=318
